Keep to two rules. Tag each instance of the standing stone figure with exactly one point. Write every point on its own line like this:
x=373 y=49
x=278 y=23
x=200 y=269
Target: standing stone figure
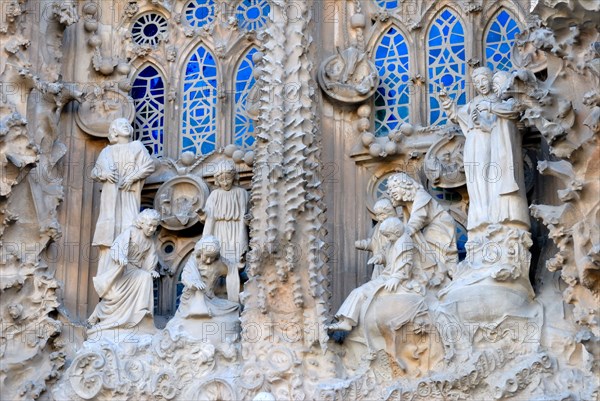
x=125 y=287
x=493 y=165
x=428 y=224
x=226 y=218
x=121 y=168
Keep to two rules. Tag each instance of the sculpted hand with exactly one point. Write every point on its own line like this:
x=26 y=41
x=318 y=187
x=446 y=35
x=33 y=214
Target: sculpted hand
x=122 y=260
x=126 y=184
x=475 y=116
x=155 y=274
x=484 y=107
x=392 y=283
x=111 y=177
x=360 y=244
x=199 y=285
x=445 y=99
x=376 y=260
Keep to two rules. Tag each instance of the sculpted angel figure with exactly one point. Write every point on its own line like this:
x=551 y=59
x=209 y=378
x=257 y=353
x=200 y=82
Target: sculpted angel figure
x=376 y=244
x=200 y=277
x=429 y=225
x=121 y=168
x=226 y=217
x=397 y=270
x=125 y=287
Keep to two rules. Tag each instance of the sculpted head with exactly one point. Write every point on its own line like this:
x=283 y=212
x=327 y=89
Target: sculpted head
x=120 y=130
x=401 y=188
x=207 y=249
x=383 y=209
x=147 y=221
x=225 y=175
x=392 y=228
x=482 y=79
x=500 y=82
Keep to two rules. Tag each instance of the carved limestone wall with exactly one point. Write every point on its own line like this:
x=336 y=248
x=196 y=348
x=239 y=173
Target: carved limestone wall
x=33 y=345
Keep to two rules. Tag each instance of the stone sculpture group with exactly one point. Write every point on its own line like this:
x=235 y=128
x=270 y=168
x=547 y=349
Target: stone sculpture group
x=128 y=257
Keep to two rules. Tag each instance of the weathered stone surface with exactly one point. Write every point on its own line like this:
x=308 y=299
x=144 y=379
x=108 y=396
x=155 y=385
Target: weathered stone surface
x=448 y=284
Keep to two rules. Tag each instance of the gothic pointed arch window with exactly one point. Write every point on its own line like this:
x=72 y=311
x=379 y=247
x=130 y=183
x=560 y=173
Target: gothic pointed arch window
x=244 y=81
x=499 y=39
x=393 y=94
x=208 y=51
x=198 y=120
x=148 y=92
x=446 y=62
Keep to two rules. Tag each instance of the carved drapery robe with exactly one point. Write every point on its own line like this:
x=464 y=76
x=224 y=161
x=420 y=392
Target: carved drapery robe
x=476 y=157
x=119 y=208
x=435 y=234
x=126 y=291
x=225 y=212
x=399 y=260
x=203 y=303
x=509 y=200
x=493 y=163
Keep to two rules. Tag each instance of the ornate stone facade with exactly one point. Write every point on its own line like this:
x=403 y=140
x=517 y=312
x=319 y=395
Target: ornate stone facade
x=277 y=141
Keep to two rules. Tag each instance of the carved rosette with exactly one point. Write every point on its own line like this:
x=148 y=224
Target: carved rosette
x=443 y=162
x=96 y=113
x=179 y=200
x=349 y=77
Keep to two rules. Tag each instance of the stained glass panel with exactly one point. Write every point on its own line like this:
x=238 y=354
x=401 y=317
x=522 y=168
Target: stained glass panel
x=253 y=14
x=148 y=93
x=388 y=4
x=199 y=12
x=244 y=81
x=446 y=63
x=149 y=29
x=393 y=94
x=198 y=125
x=499 y=41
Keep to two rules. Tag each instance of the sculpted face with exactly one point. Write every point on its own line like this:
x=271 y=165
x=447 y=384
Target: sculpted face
x=149 y=227
x=399 y=194
x=208 y=258
x=482 y=84
x=224 y=181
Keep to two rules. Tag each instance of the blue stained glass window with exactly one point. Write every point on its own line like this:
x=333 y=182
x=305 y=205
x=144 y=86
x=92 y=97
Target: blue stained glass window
x=392 y=97
x=148 y=93
x=149 y=29
x=199 y=12
x=388 y=4
x=499 y=41
x=446 y=63
x=198 y=123
x=253 y=14
x=244 y=81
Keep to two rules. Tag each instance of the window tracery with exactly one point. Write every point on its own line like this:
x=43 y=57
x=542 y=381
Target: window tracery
x=441 y=63
x=244 y=81
x=499 y=40
x=446 y=64
x=392 y=97
x=148 y=92
x=198 y=121
x=149 y=29
x=199 y=13
x=209 y=60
